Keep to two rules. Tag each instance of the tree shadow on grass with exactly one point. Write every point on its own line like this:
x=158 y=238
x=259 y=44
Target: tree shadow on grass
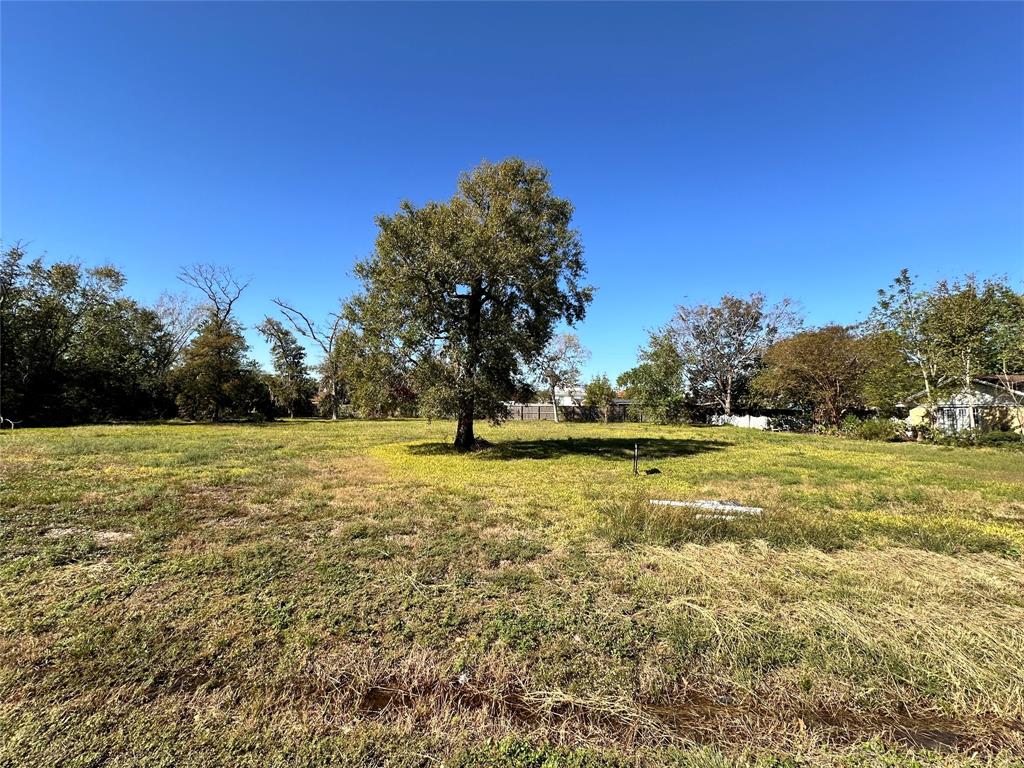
x=612 y=448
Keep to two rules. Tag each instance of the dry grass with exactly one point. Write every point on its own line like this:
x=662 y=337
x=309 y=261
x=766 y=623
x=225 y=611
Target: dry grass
x=310 y=593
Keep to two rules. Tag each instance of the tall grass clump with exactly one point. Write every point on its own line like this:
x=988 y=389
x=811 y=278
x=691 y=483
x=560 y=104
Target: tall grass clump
x=631 y=519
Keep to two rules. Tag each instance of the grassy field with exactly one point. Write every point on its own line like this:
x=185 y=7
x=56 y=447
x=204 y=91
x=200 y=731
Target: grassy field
x=355 y=593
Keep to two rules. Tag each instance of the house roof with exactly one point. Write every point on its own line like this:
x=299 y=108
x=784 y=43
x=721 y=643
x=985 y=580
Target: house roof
x=1014 y=382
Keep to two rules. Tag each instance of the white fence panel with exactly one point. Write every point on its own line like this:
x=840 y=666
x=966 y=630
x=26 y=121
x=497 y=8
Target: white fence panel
x=748 y=422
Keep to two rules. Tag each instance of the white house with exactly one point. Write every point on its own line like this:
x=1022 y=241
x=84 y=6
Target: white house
x=567 y=397
x=991 y=402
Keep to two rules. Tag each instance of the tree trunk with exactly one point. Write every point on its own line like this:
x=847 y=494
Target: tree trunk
x=554 y=404
x=930 y=409
x=334 y=399
x=464 y=438
x=728 y=395
x=835 y=413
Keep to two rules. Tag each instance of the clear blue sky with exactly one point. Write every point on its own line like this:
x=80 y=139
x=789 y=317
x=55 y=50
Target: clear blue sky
x=808 y=150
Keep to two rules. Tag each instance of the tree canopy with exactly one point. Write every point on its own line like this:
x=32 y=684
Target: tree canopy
x=599 y=393
x=216 y=379
x=466 y=293
x=824 y=370
x=291 y=388
x=327 y=337
x=955 y=331
x=459 y=313
x=657 y=385
x=73 y=348
x=721 y=345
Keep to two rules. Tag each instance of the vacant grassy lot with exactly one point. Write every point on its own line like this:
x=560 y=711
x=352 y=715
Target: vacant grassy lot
x=312 y=593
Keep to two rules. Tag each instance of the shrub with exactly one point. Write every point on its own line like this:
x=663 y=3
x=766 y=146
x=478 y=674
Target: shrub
x=924 y=433
x=968 y=438
x=1000 y=439
x=886 y=430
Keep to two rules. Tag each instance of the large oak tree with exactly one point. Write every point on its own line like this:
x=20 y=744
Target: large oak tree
x=467 y=292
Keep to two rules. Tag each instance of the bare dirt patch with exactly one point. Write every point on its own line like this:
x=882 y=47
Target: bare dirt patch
x=110 y=538
x=697 y=719
x=60 y=533
x=102 y=538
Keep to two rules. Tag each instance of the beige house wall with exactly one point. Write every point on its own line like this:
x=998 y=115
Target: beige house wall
x=919 y=415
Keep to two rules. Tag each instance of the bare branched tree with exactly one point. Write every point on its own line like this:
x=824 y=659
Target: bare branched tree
x=559 y=365
x=326 y=337
x=180 y=316
x=221 y=288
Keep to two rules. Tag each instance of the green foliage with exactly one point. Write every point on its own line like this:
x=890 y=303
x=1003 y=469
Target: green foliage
x=291 y=387
x=74 y=348
x=599 y=393
x=889 y=377
x=882 y=429
x=721 y=346
x=1008 y=339
x=331 y=394
x=215 y=380
x=823 y=370
x=900 y=310
x=377 y=384
x=1001 y=439
x=657 y=385
x=831 y=371
x=962 y=319
x=970 y=438
x=464 y=294
x=954 y=331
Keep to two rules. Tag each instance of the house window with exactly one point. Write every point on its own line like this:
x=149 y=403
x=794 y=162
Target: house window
x=956 y=418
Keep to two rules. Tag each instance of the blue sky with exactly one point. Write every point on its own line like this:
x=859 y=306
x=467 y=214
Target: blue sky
x=803 y=150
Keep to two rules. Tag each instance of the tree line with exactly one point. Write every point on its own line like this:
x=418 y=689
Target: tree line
x=459 y=299
x=456 y=317
x=918 y=341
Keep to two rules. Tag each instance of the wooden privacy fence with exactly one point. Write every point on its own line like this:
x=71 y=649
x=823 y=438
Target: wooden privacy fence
x=546 y=412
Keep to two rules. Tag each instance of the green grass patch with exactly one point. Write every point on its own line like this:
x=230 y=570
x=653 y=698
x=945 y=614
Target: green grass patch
x=313 y=593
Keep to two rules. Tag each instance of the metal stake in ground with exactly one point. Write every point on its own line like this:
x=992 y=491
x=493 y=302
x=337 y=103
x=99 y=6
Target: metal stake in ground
x=636 y=459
